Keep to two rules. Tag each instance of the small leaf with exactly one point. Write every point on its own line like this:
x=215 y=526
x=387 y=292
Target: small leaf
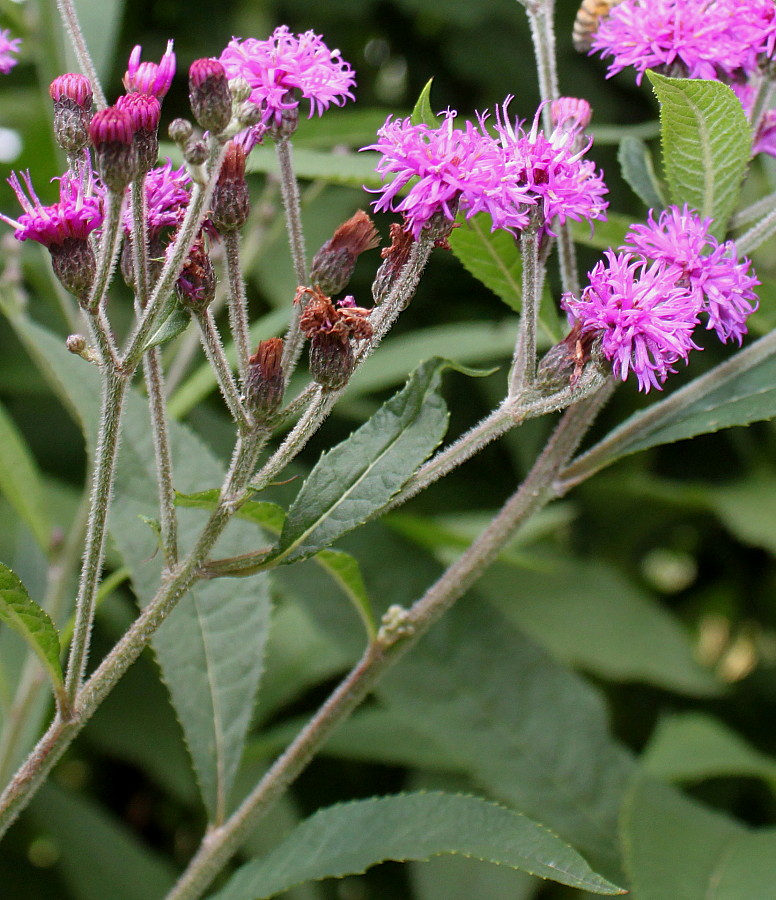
x=706 y=145
x=637 y=169
x=267 y=515
x=423 y=113
x=354 y=480
x=350 y=838
x=176 y=322
x=344 y=569
x=738 y=391
x=20 y=612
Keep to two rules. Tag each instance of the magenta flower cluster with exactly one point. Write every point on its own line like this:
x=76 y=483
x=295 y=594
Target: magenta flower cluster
x=167 y=196
x=713 y=39
x=285 y=65
x=447 y=168
x=645 y=302
x=8 y=47
x=77 y=214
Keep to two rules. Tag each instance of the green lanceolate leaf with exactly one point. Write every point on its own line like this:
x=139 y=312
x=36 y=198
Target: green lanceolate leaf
x=349 y=838
x=706 y=145
x=20 y=612
x=739 y=391
x=174 y=324
x=493 y=257
x=636 y=165
x=423 y=112
x=357 y=478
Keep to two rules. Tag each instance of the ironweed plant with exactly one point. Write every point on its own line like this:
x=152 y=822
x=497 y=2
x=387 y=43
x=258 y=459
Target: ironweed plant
x=543 y=788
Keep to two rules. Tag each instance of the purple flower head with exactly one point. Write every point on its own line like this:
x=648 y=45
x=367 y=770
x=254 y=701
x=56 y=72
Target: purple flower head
x=167 y=196
x=148 y=77
x=8 y=46
x=286 y=63
x=77 y=214
x=454 y=167
x=73 y=89
x=552 y=170
x=643 y=316
x=691 y=38
x=710 y=271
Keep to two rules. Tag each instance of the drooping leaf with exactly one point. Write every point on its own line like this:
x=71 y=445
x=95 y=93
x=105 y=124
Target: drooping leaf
x=423 y=112
x=211 y=648
x=349 y=838
x=676 y=848
x=706 y=143
x=20 y=612
x=738 y=391
x=355 y=479
x=20 y=481
x=693 y=746
x=636 y=165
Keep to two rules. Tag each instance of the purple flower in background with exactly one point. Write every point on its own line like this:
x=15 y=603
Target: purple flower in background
x=643 y=317
x=8 y=46
x=167 y=196
x=709 y=39
x=77 y=214
x=148 y=77
x=552 y=169
x=453 y=167
x=710 y=271
x=284 y=64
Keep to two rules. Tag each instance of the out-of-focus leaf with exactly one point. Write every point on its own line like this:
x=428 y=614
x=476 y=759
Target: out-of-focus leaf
x=355 y=479
x=20 y=612
x=636 y=164
x=706 y=145
x=20 y=481
x=100 y=21
x=736 y=392
x=351 y=169
x=693 y=746
x=97 y=855
x=211 y=648
x=350 y=127
x=423 y=112
x=459 y=878
x=349 y=838
x=746 y=508
x=602 y=235
x=676 y=848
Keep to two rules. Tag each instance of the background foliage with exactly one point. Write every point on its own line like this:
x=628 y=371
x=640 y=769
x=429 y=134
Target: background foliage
x=633 y=624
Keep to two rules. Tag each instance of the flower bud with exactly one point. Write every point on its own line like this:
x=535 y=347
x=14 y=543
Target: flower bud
x=75 y=266
x=231 y=200
x=148 y=77
x=180 y=131
x=332 y=360
x=112 y=135
x=72 y=96
x=144 y=111
x=264 y=384
x=333 y=264
x=196 y=285
x=211 y=100
x=239 y=89
x=195 y=152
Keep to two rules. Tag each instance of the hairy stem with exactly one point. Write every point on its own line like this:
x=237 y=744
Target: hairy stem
x=237 y=302
x=524 y=362
x=73 y=28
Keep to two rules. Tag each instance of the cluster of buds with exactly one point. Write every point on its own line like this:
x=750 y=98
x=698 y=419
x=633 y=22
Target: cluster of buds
x=332 y=329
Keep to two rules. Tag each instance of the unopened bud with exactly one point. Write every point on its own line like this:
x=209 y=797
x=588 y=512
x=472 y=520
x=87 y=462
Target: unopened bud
x=333 y=264
x=239 y=89
x=112 y=135
x=196 y=285
x=76 y=343
x=75 y=266
x=211 y=100
x=195 y=152
x=72 y=96
x=180 y=131
x=248 y=114
x=264 y=384
x=144 y=111
x=231 y=201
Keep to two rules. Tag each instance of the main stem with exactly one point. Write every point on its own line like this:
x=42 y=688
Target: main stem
x=237 y=302
x=536 y=491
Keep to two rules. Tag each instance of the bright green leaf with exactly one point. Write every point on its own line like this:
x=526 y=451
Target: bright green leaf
x=20 y=612
x=355 y=479
x=349 y=838
x=637 y=169
x=706 y=143
x=423 y=112
x=20 y=481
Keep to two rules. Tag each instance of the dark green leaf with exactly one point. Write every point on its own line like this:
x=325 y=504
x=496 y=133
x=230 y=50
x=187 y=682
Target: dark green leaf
x=706 y=145
x=349 y=838
x=20 y=612
x=358 y=477
x=739 y=391
x=423 y=112
x=637 y=169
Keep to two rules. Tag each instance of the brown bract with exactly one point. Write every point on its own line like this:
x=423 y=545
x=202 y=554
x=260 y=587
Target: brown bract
x=321 y=316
